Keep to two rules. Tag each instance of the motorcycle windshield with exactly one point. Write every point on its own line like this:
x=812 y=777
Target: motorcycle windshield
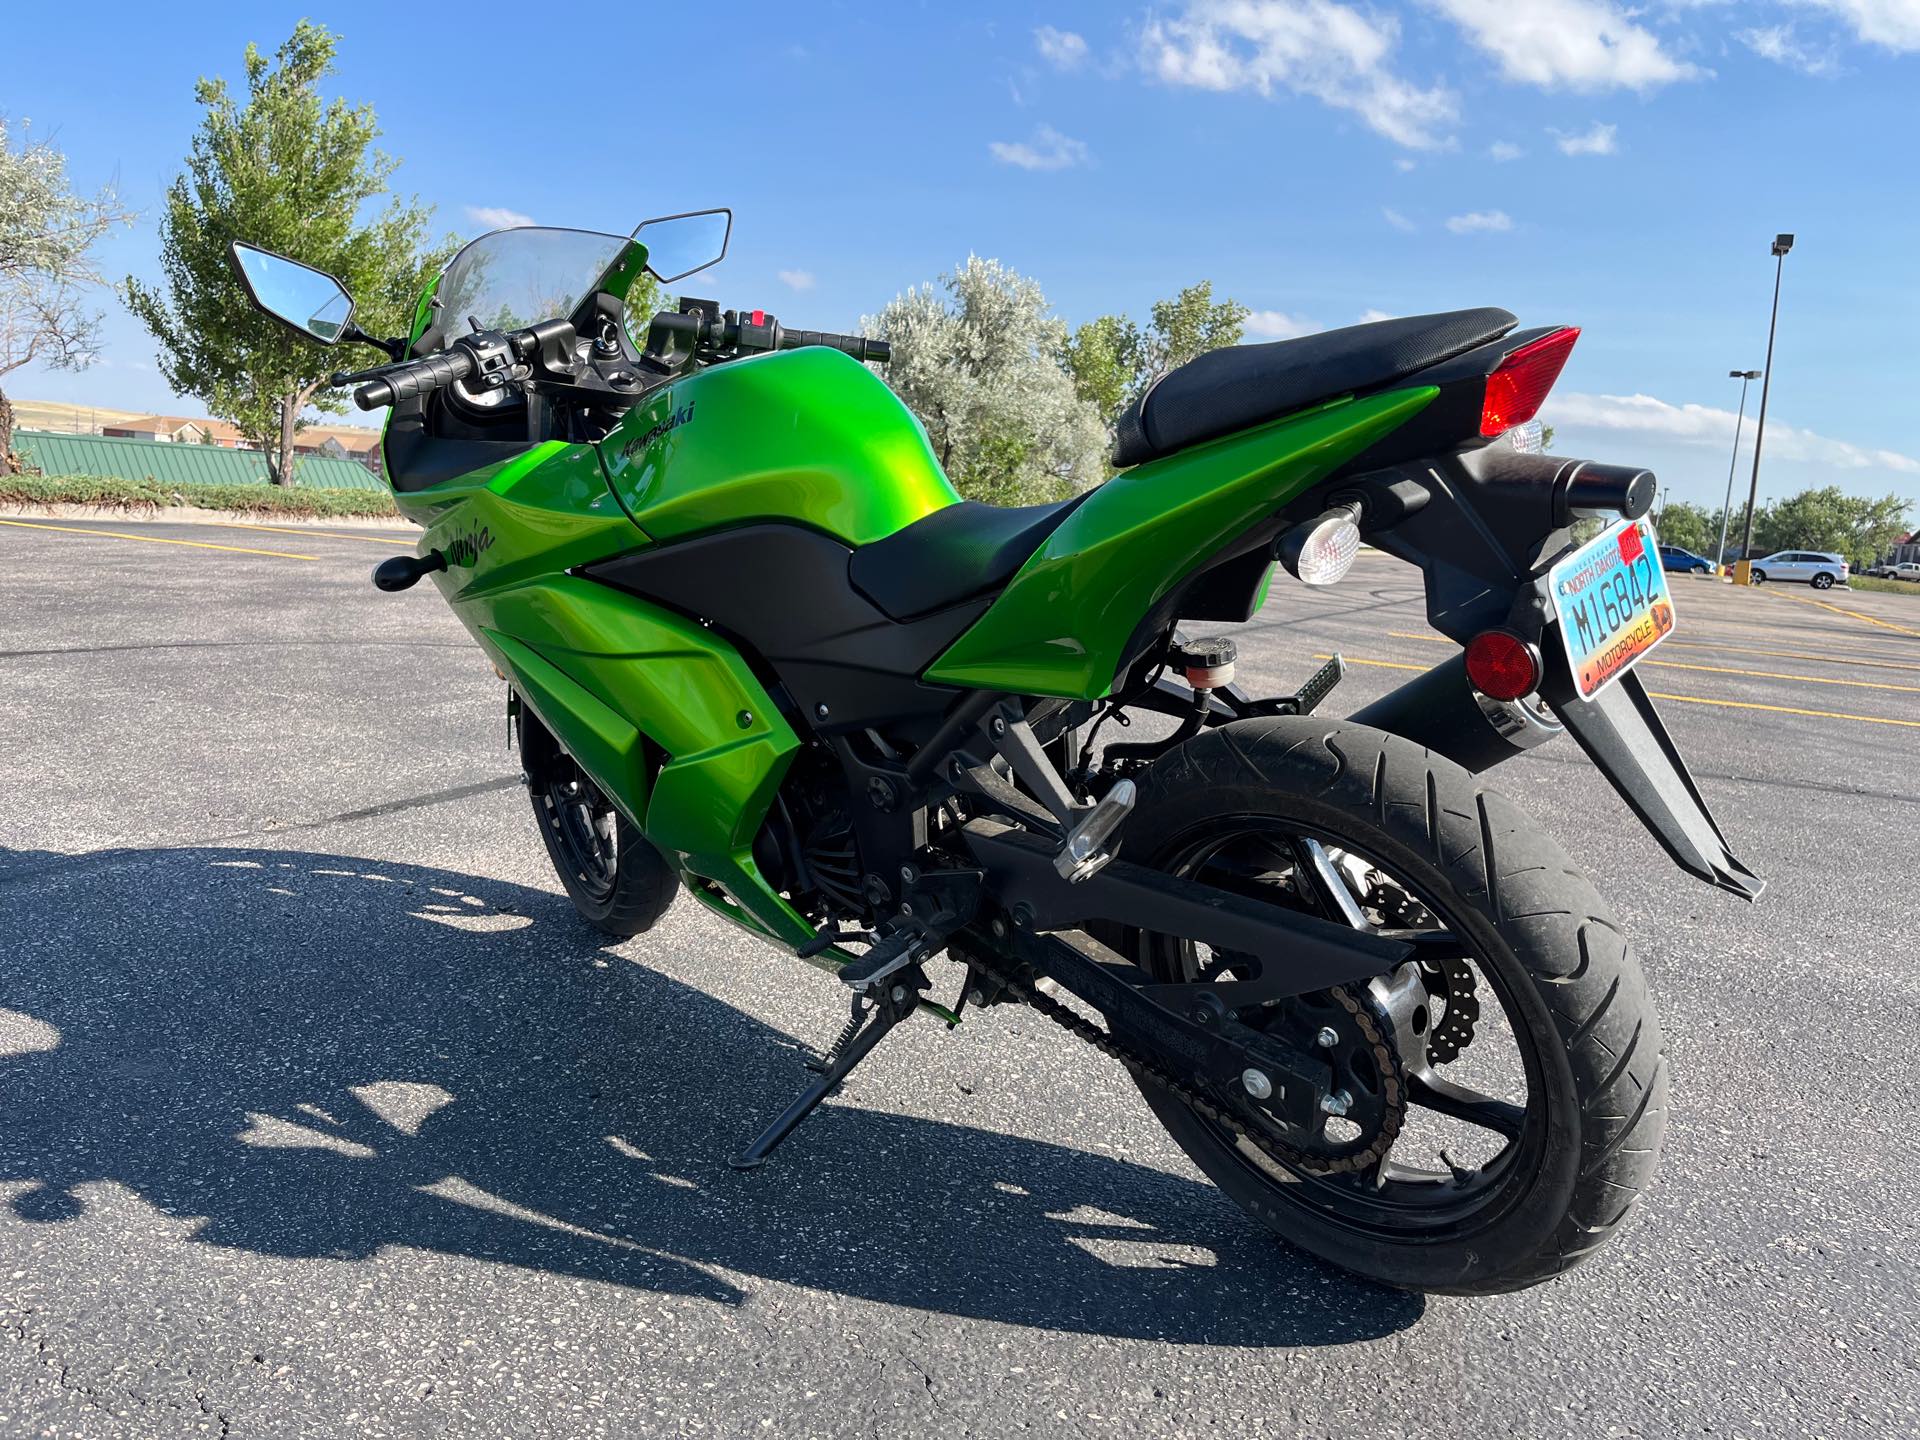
x=511 y=279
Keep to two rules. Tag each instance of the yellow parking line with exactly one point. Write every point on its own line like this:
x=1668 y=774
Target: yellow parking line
x=1856 y=614
x=156 y=540
x=1731 y=670
x=1689 y=699
x=307 y=530
x=1838 y=657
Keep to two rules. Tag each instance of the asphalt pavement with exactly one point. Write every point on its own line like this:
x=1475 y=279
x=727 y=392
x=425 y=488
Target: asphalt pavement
x=321 y=1115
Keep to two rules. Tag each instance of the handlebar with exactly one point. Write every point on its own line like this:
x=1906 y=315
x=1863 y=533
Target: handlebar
x=492 y=354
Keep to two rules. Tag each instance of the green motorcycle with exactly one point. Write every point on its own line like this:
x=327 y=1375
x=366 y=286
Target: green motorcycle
x=757 y=647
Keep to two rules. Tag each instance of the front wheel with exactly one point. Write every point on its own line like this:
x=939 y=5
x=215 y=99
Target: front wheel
x=1525 y=1089
x=1756 y=577
x=616 y=879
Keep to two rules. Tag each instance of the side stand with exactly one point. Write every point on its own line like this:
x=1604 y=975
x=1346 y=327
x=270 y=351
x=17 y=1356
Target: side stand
x=892 y=1004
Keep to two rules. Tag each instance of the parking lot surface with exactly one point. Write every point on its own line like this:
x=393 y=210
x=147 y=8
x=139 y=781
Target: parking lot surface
x=320 y=1114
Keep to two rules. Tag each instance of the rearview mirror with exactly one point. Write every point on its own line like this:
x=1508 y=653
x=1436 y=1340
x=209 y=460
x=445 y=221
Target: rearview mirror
x=310 y=300
x=679 y=245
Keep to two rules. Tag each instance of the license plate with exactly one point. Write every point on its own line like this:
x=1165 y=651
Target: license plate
x=1612 y=599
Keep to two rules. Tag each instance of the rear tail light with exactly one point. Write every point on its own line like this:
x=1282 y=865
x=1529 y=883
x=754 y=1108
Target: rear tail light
x=1515 y=390
x=1502 y=666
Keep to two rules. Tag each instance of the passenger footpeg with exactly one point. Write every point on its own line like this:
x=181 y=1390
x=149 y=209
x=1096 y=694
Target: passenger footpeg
x=1319 y=685
x=890 y=1003
x=1086 y=848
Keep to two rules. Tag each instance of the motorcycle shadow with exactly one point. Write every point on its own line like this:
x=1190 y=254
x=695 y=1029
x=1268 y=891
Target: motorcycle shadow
x=309 y=1055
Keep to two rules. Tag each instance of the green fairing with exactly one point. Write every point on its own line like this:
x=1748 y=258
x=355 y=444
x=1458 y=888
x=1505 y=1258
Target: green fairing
x=619 y=682
x=1062 y=625
x=808 y=436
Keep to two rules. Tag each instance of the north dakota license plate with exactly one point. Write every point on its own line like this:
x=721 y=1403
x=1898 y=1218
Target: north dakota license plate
x=1613 y=603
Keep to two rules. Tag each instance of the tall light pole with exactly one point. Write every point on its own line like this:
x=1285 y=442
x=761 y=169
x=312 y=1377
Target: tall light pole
x=1742 y=571
x=1726 y=505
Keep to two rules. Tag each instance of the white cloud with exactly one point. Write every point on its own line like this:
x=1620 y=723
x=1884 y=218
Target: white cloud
x=1048 y=150
x=1708 y=426
x=1062 y=49
x=1596 y=141
x=1397 y=220
x=1505 y=150
x=796 y=279
x=1330 y=52
x=1403 y=165
x=1278 y=325
x=1480 y=220
x=1580 y=44
x=497 y=217
x=1368 y=317
x=1894 y=24
x=1779 y=44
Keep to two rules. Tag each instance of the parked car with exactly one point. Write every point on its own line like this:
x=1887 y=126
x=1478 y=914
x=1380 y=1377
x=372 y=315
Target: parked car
x=1812 y=567
x=1684 y=562
x=1905 y=570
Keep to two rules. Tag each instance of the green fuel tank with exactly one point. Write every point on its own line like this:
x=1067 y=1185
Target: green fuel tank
x=808 y=437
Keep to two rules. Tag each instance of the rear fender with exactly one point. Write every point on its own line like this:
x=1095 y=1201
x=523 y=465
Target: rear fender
x=1484 y=529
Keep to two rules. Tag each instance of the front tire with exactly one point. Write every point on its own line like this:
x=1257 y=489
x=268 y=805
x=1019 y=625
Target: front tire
x=1563 y=978
x=1757 y=577
x=617 y=880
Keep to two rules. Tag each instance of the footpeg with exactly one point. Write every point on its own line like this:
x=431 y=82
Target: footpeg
x=1319 y=685
x=1086 y=849
x=887 y=956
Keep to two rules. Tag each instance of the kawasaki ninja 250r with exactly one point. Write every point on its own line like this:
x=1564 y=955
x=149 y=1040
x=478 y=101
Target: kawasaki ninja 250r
x=758 y=647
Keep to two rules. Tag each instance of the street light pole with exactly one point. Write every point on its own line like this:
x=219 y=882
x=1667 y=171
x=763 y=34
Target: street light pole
x=1726 y=505
x=1742 y=571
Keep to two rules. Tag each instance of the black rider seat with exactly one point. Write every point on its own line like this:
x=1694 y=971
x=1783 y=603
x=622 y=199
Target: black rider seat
x=954 y=554
x=1232 y=389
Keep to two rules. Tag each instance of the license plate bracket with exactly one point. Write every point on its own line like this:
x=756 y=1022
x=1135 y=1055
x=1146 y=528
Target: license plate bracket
x=1613 y=604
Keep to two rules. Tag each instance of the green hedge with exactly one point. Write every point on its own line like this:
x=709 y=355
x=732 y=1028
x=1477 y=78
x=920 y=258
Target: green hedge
x=147 y=495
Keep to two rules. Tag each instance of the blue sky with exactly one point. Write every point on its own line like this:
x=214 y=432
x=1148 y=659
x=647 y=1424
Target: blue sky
x=1620 y=168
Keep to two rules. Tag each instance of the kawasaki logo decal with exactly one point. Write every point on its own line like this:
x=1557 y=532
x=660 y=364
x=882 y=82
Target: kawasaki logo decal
x=675 y=419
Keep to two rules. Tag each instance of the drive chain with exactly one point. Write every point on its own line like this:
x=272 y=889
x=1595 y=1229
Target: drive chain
x=1392 y=1074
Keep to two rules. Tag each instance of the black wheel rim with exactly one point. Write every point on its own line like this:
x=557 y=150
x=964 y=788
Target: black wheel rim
x=1406 y=1196
x=583 y=827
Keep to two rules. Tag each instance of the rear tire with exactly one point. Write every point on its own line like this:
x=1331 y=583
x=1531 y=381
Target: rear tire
x=1535 y=929
x=1823 y=581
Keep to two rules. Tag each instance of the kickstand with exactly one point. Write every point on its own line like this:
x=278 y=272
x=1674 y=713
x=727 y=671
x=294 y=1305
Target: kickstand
x=893 y=1004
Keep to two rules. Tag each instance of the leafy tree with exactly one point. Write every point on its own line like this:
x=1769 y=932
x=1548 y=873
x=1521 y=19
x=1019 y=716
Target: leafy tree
x=1830 y=519
x=1113 y=359
x=983 y=365
x=47 y=235
x=287 y=170
x=1691 y=527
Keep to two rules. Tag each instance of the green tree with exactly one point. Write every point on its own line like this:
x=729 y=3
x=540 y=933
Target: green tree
x=984 y=367
x=1830 y=519
x=1113 y=360
x=47 y=235
x=283 y=168
x=1691 y=527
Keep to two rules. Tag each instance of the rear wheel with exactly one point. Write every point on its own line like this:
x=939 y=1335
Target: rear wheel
x=1525 y=1089
x=1823 y=581
x=616 y=879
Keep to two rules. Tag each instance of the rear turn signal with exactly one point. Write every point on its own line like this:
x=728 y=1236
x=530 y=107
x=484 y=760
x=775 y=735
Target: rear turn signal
x=1515 y=390
x=1502 y=666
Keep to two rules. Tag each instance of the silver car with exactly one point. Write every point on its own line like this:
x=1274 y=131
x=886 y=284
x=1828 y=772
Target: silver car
x=1812 y=567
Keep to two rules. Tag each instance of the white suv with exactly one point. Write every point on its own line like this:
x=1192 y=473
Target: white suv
x=1815 y=567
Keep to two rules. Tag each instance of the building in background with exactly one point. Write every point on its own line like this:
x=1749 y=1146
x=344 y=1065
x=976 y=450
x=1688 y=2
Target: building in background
x=358 y=443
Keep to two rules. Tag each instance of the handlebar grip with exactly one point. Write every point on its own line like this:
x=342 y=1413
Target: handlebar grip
x=429 y=373
x=858 y=346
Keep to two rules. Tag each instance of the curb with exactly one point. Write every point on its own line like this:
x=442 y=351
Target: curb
x=194 y=515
